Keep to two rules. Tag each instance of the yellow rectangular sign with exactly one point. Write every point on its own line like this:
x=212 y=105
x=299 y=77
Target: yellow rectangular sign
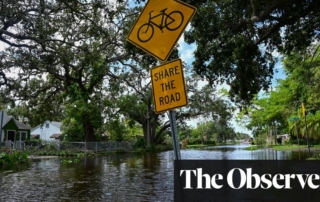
x=160 y=25
x=168 y=86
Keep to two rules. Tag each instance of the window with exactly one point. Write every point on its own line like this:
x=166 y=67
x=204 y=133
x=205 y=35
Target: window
x=47 y=125
x=23 y=136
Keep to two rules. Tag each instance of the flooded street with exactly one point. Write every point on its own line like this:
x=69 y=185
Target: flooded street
x=114 y=177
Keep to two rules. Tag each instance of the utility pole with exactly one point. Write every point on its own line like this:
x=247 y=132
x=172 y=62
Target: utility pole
x=295 y=125
x=305 y=124
x=295 y=119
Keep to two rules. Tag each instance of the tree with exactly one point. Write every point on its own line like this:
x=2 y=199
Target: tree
x=3 y=80
x=74 y=54
x=236 y=39
x=117 y=130
x=284 y=101
x=216 y=130
x=132 y=96
x=62 y=50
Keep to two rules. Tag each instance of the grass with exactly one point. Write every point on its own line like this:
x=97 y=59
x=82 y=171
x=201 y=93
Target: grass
x=252 y=148
x=194 y=146
x=312 y=158
x=291 y=147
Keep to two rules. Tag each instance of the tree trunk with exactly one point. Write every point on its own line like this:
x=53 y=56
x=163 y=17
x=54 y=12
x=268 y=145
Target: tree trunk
x=88 y=132
x=148 y=134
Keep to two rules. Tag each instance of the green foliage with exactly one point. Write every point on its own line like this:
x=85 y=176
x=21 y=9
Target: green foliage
x=51 y=146
x=64 y=52
x=48 y=150
x=8 y=157
x=75 y=65
x=72 y=130
x=261 y=139
x=252 y=148
x=242 y=136
x=211 y=142
x=212 y=132
x=271 y=112
x=298 y=128
x=140 y=142
x=236 y=39
x=117 y=130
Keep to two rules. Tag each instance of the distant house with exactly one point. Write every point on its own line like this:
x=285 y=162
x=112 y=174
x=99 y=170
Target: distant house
x=283 y=138
x=49 y=130
x=13 y=129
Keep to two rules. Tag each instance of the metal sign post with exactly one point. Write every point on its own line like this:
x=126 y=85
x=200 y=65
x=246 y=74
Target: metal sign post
x=174 y=132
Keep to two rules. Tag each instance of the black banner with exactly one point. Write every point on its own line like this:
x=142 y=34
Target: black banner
x=246 y=180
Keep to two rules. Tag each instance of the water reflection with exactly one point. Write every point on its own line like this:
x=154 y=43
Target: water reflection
x=238 y=152
x=114 y=177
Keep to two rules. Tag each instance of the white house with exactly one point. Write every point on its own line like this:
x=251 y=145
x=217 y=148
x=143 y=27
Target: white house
x=47 y=131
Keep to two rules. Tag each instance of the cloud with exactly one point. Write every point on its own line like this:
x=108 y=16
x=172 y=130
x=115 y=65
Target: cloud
x=186 y=51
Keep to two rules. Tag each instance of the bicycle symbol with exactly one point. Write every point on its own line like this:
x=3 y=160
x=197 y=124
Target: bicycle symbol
x=171 y=21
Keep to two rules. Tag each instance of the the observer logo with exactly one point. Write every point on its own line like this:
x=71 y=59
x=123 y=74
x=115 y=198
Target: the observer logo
x=248 y=180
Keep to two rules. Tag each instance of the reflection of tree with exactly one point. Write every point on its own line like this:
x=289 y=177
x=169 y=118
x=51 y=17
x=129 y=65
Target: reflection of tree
x=151 y=162
x=82 y=180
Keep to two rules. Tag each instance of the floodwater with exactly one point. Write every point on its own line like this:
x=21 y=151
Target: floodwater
x=114 y=177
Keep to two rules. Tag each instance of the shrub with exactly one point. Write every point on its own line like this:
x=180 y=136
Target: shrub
x=13 y=157
x=140 y=142
x=211 y=142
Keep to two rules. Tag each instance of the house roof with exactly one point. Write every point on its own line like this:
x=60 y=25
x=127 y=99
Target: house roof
x=54 y=123
x=5 y=117
x=20 y=125
x=34 y=136
x=58 y=124
x=55 y=136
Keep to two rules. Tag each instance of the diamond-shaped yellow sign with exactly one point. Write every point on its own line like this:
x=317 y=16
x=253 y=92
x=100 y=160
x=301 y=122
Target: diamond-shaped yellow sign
x=160 y=26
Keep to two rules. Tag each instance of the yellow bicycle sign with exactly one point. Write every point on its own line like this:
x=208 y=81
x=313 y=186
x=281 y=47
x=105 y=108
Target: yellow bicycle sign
x=146 y=31
x=160 y=25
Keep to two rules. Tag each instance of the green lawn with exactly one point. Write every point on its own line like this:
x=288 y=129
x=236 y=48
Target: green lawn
x=292 y=147
x=199 y=146
x=252 y=148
